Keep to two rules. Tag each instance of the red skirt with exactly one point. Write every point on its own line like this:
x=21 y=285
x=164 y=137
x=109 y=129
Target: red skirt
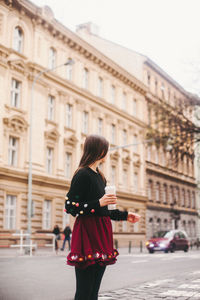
x=92 y=242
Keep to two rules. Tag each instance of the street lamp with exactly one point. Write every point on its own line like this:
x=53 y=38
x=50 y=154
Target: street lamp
x=69 y=62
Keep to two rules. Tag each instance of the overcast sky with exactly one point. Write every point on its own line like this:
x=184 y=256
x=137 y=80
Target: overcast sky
x=167 y=31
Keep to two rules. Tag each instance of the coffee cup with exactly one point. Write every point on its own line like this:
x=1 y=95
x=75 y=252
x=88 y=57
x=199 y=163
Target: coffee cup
x=111 y=189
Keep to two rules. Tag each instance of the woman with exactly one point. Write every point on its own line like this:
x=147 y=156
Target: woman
x=92 y=240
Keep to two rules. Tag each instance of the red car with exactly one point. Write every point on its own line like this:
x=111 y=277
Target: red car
x=168 y=241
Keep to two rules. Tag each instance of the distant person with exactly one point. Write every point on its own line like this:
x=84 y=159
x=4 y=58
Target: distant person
x=56 y=231
x=67 y=233
x=92 y=239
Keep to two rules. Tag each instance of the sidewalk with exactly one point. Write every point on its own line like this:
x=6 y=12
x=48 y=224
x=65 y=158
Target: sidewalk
x=13 y=252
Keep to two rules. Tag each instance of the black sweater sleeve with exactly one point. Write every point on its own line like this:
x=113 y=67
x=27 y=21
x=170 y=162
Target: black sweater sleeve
x=118 y=215
x=75 y=203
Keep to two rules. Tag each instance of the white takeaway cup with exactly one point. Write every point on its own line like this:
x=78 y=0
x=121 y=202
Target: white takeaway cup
x=111 y=189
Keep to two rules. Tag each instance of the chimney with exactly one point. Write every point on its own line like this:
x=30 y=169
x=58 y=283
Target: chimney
x=88 y=28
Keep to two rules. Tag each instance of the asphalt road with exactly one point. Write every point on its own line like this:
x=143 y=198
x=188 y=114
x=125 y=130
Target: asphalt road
x=48 y=277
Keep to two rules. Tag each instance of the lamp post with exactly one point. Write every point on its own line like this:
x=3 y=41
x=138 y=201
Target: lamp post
x=69 y=62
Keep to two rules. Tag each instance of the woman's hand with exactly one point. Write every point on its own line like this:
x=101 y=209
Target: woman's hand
x=108 y=199
x=133 y=218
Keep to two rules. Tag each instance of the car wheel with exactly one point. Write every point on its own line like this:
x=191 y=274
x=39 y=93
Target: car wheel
x=172 y=248
x=166 y=251
x=151 y=251
x=186 y=249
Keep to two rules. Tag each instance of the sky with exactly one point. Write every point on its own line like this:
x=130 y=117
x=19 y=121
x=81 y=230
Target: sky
x=167 y=31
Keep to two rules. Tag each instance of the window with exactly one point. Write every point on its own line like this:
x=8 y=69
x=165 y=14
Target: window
x=125 y=177
x=113 y=94
x=100 y=87
x=49 y=160
x=69 y=115
x=52 y=58
x=124 y=137
x=162 y=90
x=85 y=78
x=69 y=68
x=135 y=143
x=66 y=218
x=18 y=39
x=124 y=101
x=193 y=200
x=113 y=175
x=47 y=214
x=15 y=93
x=169 y=94
x=124 y=226
x=156 y=155
x=12 y=151
x=68 y=164
x=189 y=199
x=99 y=126
x=149 y=116
x=156 y=86
x=135 y=181
x=149 y=153
x=85 y=122
x=183 y=197
x=176 y=196
x=148 y=78
x=51 y=108
x=10 y=212
x=157 y=191
x=134 y=107
x=150 y=189
x=113 y=133
x=171 y=198
x=164 y=193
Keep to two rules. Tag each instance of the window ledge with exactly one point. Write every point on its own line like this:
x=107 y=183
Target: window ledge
x=13 y=108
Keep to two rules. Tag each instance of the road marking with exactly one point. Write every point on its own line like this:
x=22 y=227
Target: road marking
x=189 y=286
x=178 y=293
x=156 y=283
x=138 y=261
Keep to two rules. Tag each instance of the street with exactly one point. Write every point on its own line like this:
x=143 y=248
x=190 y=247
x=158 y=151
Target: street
x=134 y=276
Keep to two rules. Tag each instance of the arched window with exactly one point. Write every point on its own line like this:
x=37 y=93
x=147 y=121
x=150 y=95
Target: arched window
x=18 y=39
x=52 y=58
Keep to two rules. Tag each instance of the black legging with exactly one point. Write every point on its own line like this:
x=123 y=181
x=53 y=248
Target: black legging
x=88 y=282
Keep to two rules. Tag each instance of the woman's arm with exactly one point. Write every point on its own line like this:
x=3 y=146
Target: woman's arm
x=118 y=215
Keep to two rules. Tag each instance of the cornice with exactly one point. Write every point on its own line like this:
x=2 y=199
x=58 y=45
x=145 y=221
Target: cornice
x=150 y=167
x=75 y=42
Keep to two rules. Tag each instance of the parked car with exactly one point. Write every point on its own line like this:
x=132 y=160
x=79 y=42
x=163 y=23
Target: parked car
x=168 y=241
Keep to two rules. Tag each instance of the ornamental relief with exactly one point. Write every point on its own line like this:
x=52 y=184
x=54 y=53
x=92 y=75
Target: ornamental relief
x=52 y=135
x=70 y=141
x=16 y=124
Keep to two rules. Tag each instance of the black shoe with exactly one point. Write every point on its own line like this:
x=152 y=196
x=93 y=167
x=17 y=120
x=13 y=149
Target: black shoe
x=62 y=249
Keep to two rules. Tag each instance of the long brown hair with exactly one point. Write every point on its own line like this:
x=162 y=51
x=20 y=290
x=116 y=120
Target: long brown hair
x=95 y=148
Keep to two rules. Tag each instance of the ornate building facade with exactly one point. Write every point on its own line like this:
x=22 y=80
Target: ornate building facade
x=171 y=190
x=92 y=95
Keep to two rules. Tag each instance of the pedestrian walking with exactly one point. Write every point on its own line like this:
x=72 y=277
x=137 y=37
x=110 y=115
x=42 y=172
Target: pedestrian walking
x=92 y=240
x=56 y=231
x=67 y=237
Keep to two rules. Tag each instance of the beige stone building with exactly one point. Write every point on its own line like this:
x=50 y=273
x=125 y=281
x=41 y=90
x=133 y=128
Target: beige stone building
x=94 y=95
x=171 y=190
